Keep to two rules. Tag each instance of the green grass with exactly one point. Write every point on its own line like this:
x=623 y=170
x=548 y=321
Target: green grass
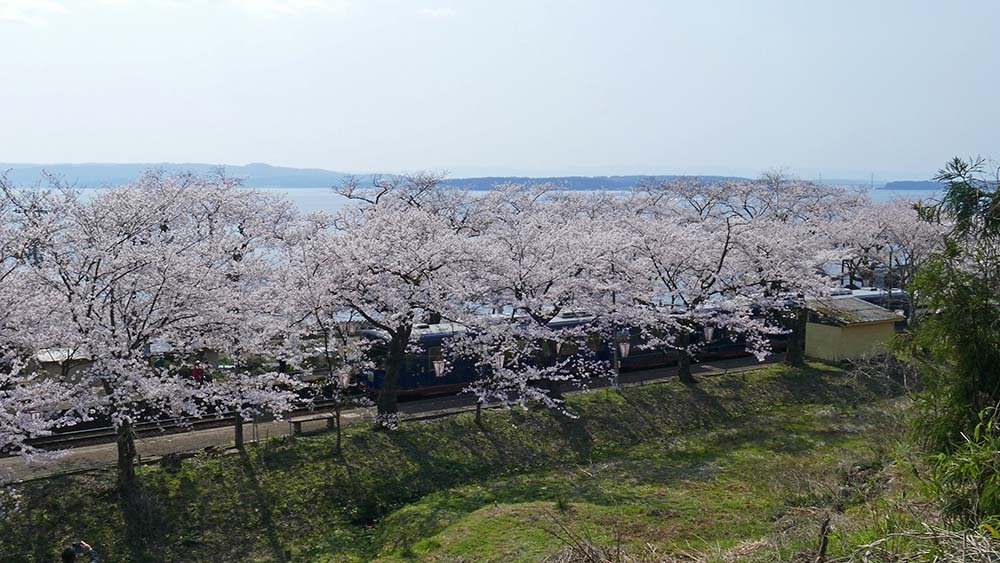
x=705 y=491
x=662 y=468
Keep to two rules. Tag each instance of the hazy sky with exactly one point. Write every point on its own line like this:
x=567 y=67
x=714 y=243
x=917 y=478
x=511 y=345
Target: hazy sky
x=841 y=89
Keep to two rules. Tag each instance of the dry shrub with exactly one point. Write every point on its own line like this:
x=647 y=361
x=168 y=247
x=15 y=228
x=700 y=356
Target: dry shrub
x=930 y=543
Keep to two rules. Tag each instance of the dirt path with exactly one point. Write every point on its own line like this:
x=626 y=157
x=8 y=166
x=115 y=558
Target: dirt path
x=150 y=447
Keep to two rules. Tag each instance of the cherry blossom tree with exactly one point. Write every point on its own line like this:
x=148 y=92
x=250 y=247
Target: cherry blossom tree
x=248 y=393
x=688 y=271
x=423 y=191
x=322 y=331
x=540 y=264
x=401 y=262
x=174 y=262
x=255 y=382
x=774 y=194
x=893 y=238
x=745 y=247
x=30 y=406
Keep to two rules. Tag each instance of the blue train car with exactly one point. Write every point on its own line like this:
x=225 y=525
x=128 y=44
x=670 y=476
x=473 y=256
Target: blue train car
x=418 y=376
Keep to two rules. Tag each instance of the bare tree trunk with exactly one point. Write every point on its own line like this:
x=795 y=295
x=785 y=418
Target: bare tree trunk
x=824 y=540
x=126 y=456
x=388 y=417
x=552 y=359
x=616 y=363
x=684 y=359
x=337 y=391
x=238 y=431
x=479 y=412
x=138 y=508
x=337 y=419
x=795 y=349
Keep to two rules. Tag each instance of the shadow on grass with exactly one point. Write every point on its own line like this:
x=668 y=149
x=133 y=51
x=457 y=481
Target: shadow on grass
x=263 y=507
x=707 y=409
x=577 y=436
x=365 y=505
x=752 y=449
x=143 y=521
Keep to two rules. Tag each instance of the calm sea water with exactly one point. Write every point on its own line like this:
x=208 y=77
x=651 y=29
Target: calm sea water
x=311 y=200
x=888 y=195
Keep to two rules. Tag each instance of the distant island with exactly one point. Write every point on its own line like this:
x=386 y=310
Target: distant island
x=260 y=175
x=913 y=185
x=573 y=183
x=97 y=175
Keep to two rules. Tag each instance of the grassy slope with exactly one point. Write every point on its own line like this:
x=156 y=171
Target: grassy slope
x=706 y=492
x=668 y=468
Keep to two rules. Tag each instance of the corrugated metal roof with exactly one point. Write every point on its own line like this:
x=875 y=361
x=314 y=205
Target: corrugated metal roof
x=843 y=311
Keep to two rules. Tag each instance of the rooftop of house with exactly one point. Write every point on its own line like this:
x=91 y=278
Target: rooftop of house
x=844 y=311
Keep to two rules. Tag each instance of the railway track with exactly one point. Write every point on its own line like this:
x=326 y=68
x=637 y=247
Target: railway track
x=106 y=434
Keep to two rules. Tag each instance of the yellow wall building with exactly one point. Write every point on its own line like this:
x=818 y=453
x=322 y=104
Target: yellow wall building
x=848 y=328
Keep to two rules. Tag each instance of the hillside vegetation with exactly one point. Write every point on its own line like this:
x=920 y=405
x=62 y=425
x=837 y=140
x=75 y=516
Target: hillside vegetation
x=738 y=467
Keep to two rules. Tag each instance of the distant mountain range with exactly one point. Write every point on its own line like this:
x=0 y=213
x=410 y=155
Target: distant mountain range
x=98 y=175
x=259 y=175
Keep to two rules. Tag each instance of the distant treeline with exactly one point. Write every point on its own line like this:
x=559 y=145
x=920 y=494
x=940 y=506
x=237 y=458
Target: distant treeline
x=581 y=183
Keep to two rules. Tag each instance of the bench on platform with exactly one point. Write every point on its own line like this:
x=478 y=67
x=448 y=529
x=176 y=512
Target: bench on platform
x=295 y=423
